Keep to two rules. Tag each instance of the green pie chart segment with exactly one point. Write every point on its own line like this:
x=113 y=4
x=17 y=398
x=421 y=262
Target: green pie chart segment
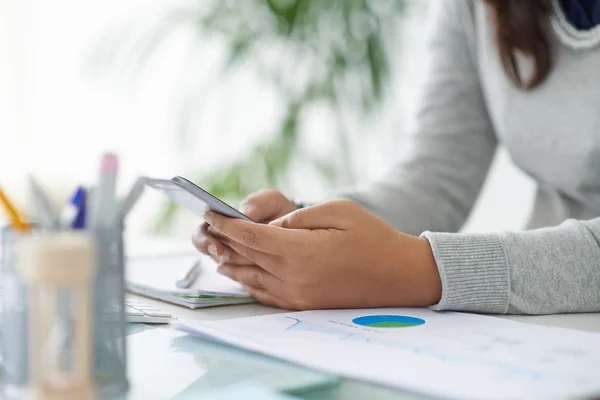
x=388 y=321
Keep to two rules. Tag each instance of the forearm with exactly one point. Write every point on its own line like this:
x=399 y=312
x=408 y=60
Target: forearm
x=544 y=271
x=416 y=197
x=453 y=141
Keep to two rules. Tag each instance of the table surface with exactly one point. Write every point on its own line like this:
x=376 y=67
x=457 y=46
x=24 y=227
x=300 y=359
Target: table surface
x=350 y=389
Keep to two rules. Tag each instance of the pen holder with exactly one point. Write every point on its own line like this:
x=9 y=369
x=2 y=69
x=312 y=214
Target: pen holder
x=106 y=319
x=110 y=329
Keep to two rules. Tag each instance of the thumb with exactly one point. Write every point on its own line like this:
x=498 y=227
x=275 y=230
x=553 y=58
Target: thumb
x=330 y=215
x=263 y=205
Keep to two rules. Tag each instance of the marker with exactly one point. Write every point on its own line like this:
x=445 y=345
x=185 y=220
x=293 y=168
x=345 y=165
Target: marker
x=15 y=220
x=73 y=214
x=132 y=197
x=44 y=211
x=104 y=209
x=190 y=276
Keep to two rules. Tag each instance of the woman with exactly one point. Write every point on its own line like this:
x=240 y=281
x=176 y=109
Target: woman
x=525 y=74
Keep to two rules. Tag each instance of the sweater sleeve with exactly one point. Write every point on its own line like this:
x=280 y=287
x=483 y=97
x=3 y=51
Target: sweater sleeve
x=452 y=141
x=543 y=271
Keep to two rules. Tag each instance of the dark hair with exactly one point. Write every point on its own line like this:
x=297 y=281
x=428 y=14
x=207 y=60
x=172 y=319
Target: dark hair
x=522 y=25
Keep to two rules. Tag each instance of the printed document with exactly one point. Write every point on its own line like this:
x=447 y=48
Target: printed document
x=448 y=355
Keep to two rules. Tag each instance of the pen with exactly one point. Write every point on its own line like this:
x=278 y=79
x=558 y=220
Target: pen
x=132 y=197
x=104 y=203
x=45 y=214
x=190 y=276
x=73 y=214
x=15 y=220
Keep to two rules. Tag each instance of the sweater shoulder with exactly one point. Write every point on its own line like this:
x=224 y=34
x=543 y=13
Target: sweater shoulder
x=470 y=13
x=463 y=20
x=467 y=16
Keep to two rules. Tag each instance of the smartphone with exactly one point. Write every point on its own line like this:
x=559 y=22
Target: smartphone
x=193 y=198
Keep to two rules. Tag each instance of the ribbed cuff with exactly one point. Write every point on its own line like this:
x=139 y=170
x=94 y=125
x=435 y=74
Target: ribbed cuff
x=474 y=272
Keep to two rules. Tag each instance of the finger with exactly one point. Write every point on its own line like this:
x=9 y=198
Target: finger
x=268 y=299
x=217 y=249
x=231 y=256
x=269 y=262
x=215 y=234
x=264 y=238
x=264 y=205
x=254 y=277
x=330 y=215
x=206 y=243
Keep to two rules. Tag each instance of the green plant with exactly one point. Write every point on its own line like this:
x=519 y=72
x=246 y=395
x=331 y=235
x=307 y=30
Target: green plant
x=336 y=53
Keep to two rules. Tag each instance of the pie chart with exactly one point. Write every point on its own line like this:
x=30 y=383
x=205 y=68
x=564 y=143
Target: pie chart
x=388 y=321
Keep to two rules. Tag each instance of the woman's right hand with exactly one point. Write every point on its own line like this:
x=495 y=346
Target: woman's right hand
x=263 y=206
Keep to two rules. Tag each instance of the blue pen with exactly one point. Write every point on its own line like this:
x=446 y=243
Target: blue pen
x=73 y=214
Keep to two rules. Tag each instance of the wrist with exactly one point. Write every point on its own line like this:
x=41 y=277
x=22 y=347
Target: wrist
x=416 y=279
x=432 y=284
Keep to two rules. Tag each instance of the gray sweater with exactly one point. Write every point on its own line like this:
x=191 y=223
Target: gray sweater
x=466 y=109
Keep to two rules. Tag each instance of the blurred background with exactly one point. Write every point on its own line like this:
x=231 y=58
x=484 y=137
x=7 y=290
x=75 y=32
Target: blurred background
x=306 y=96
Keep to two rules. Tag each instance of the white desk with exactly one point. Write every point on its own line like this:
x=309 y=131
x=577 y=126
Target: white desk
x=583 y=322
x=352 y=389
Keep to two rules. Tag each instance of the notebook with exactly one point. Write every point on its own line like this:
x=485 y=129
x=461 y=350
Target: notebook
x=155 y=276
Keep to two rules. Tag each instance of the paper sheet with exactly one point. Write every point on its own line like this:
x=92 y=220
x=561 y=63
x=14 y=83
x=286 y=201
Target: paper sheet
x=450 y=355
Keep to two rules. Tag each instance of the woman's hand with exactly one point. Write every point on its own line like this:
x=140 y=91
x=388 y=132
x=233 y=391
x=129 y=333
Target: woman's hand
x=262 y=206
x=333 y=255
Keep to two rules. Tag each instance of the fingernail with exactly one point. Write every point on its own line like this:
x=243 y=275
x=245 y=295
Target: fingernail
x=222 y=270
x=208 y=217
x=195 y=236
x=197 y=232
x=224 y=257
x=212 y=250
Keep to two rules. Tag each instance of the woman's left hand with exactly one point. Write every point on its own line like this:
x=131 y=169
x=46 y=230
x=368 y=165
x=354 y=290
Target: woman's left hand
x=333 y=255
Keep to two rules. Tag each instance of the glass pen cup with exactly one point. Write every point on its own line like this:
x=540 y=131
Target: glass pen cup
x=108 y=327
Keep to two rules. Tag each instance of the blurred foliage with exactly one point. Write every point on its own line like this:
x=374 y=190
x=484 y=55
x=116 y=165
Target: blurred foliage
x=332 y=52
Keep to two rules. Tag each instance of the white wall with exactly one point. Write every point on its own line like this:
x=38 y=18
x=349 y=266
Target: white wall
x=56 y=119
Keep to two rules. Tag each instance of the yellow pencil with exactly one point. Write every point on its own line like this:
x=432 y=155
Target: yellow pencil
x=15 y=220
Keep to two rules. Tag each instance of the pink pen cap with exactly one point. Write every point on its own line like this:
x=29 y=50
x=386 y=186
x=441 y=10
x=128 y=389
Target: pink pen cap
x=110 y=162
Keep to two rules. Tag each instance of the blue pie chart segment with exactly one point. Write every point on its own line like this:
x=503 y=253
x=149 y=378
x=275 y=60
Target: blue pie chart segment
x=388 y=321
